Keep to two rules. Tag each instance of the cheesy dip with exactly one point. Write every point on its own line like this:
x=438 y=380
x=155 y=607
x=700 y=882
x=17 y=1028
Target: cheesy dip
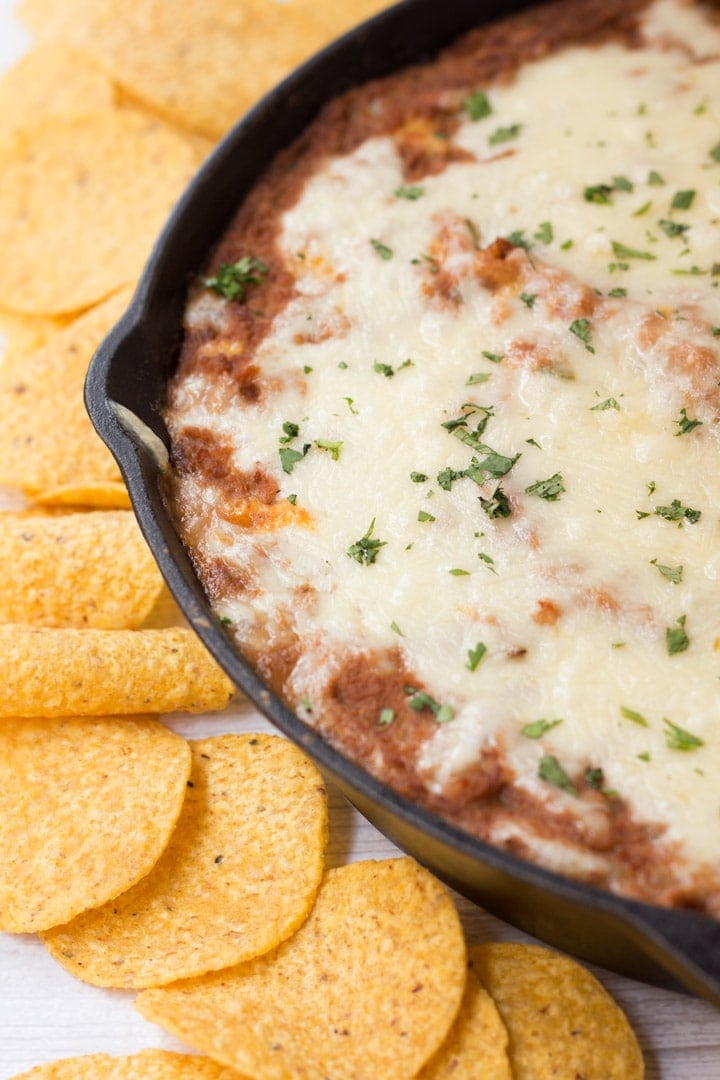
x=445 y=437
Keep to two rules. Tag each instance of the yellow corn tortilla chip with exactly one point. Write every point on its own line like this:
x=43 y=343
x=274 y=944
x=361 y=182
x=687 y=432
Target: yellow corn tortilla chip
x=24 y=333
x=51 y=80
x=107 y=494
x=86 y=809
x=561 y=1021
x=48 y=447
x=82 y=570
x=238 y=877
x=201 y=63
x=81 y=203
x=336 y=18
x=476 y=1045
x=146 y=1065
x=367 y=987
x=51 y=672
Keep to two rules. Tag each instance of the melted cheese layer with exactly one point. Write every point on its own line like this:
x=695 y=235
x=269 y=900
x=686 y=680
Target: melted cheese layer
x=594 y=363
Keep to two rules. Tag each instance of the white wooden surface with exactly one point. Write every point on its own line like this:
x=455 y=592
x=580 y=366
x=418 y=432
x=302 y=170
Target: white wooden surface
x=45 y=1014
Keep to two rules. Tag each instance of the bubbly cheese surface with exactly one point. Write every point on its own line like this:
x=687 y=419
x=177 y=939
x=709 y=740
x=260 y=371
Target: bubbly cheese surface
x=530 y=433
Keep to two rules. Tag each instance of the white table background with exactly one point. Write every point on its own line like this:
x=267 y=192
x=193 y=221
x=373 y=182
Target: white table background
x=45 y=1014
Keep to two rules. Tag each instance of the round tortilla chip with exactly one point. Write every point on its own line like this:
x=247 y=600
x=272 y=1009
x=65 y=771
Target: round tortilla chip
x=79 y=569
x=476 y=1045
x=239 y=876
x=48 y=446
x=86 y=810
x=53 y=672
x=52 y=80
x=367 y=987
x=201 y=63
x=562 y=1023
x=146 y=1065
x=81 y=202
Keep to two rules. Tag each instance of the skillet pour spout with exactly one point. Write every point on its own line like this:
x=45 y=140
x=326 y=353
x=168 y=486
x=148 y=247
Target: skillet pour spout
x=124 y=395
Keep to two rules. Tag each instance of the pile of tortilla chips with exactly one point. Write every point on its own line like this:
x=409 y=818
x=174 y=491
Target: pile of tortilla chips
x=192 y=872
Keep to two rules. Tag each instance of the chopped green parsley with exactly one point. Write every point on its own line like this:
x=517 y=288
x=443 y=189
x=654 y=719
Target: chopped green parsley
x=289 y=457
x=631 y=714
x=581 y=329
x=233 y=280
x=475 y=656
x=682 y=200
x=366 y=550
x=382 y=249
x=333 y=448
x=677 y=738
x=685 y=424
x=552 y=771
x=671 y=573
x=419 y=700
x=622 y=251
x=676 y=639
x=477 y=105
x=498 y=505
x=504 y=134
x=550 y=489
x=537 y=728
x=412 y=193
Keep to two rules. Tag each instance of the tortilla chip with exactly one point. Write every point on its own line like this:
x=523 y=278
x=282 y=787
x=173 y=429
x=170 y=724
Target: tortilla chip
x=368 y=986
x=86 y=809
x=48 y=447
x=52 y=80
x=336 y=18
x=48 y=672
x=476 y=1045
x=201 y=63
x=561 y=1021
x=82 y=570
x=238 y=877
x=24 y=333
x=147 y=1065
x=81 y=203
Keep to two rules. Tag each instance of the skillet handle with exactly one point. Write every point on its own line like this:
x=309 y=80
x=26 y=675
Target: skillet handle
x=686 y=944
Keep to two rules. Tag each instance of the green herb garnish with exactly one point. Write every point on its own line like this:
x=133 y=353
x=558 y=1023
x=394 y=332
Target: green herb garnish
x=622 y=251
x=581 y=329
x=505 y=134
x=233 y=280
x=685 y=424
x=382 y=249
x=477 y=105
x=677 y=738
x=366 y=550
x=475 y=656
x=537 y=728
x=631 y=714
x=412 y=193
x=498 y=505
x=672 y=573
x=682 y=200
x=676 y=640
x=551 y=770
x=550 y=489
x=419 y=700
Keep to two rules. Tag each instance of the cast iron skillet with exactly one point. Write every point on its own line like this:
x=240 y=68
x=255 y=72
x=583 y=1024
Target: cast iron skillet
x=124 y=390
